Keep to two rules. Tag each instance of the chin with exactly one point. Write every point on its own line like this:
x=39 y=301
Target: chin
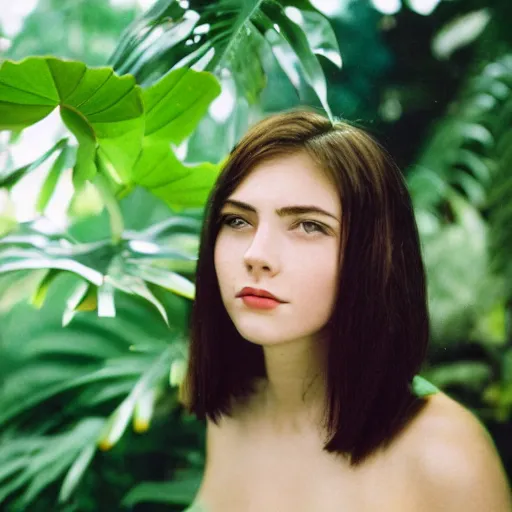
x=260 y=336
x=265 y=337
x=263 y=341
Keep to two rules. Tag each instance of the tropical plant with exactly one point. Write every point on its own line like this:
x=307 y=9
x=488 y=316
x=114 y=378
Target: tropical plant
x=459 y=185
x=239 y=41
x=124 y=134
x=124 y=138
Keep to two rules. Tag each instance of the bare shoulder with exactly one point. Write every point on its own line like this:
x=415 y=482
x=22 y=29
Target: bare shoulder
x=456 y=463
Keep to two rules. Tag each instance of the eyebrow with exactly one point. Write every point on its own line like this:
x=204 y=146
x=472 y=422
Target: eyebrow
x=285 y=210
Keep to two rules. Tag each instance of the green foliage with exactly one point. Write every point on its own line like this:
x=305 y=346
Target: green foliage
x=123 y=361
x=459 y=186
x=461 y=179
x=121 y=279
x=124 y=136
x=230 y=35
x=114 y=121
x=243 y=43
x=124 y=139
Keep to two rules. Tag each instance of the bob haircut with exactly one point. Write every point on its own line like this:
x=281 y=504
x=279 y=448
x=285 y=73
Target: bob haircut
x=379 y=327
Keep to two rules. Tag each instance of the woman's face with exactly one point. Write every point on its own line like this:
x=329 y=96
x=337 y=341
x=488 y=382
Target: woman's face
x=294 y=255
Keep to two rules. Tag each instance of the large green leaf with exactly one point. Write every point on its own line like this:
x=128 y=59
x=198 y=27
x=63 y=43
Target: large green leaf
x=228 y=35
x=173 y=108
x=103 y=111
x=175 y=104
x=159 y=170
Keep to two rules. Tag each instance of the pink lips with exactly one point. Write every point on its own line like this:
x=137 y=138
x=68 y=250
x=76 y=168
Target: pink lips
x=258 y=299
x=260 y=302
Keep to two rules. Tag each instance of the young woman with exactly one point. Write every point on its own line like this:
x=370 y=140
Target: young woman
x=308 y=331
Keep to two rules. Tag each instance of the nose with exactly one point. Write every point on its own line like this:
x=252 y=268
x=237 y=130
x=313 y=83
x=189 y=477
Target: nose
x=261 y=256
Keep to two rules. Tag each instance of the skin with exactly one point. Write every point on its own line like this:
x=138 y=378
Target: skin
x=268 y=455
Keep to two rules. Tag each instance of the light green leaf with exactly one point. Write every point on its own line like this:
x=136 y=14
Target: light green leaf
x=164 y=278
x=85 y=167
x=176 y=103
x=118 y=278
x=8 y=265
x=232 y=37
x=12 y=467
x=143 y=411
x=177 y=372
x=147 y=47
x=86 y=202
x=106 y=303
x=112 y=206
x=165 y=176
x=100 y=108
x=118 y=421
x=321 y=36
x=470 y=374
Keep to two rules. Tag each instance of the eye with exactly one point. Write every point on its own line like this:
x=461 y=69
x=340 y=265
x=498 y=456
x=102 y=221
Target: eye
x=228 y=220
x=317 y=227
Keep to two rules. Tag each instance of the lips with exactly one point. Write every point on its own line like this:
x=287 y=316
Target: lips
x=255 y=292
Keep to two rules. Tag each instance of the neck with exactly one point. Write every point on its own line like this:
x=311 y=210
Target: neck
x=295 y=387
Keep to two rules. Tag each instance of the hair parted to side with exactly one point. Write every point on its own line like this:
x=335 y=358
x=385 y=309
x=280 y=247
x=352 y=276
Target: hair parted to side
x=379 y=328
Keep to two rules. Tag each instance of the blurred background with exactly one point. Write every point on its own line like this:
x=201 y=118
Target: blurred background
x=89 y=412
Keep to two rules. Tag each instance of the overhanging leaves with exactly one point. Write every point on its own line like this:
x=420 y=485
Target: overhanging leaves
x=159 y=170
x=104 y=267
x=103 y=111
x=228 y=35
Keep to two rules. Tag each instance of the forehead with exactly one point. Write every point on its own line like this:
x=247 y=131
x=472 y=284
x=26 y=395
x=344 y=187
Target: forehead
x=290 y=179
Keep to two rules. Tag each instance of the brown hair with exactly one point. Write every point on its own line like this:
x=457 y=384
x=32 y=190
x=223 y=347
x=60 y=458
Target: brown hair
x=379 y=327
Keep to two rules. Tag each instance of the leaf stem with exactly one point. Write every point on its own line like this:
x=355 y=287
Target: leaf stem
x=114 y=211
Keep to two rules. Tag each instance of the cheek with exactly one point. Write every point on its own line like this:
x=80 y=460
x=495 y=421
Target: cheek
x=222 y=260
x=316 y=280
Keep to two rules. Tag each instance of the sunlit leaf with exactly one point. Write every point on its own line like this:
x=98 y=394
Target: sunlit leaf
x=143 y=411
x=179 y=185
x=176 y=103
x=227 y=35
x=168 y=280
x=101 y=109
